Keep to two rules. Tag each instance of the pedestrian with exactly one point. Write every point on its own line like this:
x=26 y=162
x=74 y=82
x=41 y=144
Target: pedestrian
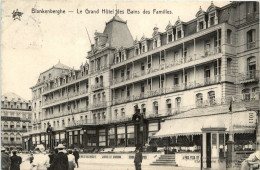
x=60 y=161
x=252 y=162
x=71 y=159
x=41 y=160
x=51 y=158
x=15 y=161
x=5 y=160
x=138 y=159
x=76 y=154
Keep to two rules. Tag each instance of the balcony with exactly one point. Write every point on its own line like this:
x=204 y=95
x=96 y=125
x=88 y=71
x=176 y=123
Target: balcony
x=14 y=130
x=251 y=45
x=177 y=87
x=186 y=61
x=98 y=86
x=11 y=143
x=65 y=113
x=65 y=97
x=98 y=105
x=99 y=69
x=250 y=76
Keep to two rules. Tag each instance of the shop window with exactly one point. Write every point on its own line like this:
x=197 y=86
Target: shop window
x=130 y=136
x=111 y=137
x=121 y=136
x=251 y=38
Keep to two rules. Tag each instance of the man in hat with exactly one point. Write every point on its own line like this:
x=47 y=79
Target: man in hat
x=60 y=161
x=138 y=159
x=71 y=159
x=76 y=154
x=5 y=163
x=15 y=161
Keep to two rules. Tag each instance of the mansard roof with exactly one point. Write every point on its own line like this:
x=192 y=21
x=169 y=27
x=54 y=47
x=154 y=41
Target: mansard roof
x=118 y=33
x=13 y=97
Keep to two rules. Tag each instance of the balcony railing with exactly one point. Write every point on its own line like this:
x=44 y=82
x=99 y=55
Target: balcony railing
x=166 y=65
x=64 y=113
x=251 y=45
x=65 y=97
x=14 y=129
x=250 y=76
x=175 y=88
x=11 y=143
x=99 y=68
x=97 y=86
x=98 y=105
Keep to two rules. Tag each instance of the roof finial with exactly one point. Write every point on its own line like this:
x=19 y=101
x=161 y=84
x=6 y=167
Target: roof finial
x=212 y=3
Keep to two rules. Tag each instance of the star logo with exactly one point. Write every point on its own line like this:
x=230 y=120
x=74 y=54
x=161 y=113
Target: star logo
x=17 y=15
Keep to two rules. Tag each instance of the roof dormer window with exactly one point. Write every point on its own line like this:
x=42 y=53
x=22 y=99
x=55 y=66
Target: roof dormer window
x=201 y=21
x=212 y=15
x=179 y=29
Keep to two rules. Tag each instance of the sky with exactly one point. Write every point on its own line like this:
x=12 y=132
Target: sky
x=38 y=41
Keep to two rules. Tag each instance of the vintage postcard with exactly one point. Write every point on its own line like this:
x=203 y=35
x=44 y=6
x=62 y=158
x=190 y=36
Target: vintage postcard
x=126 y=85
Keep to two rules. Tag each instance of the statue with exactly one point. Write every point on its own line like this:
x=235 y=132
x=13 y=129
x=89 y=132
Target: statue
x=137 y=115
x=49 y=128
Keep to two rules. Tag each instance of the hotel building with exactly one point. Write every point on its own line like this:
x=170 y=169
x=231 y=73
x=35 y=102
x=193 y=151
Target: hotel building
x=191 y=68
x=16 y=118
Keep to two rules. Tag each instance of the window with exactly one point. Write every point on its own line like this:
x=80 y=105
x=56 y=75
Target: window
x=130 y=136
x=212 y=19
x=102 y=137
x=121 y=136
x=211 y=95
x=143 y=109
x=142 y=67
x=111 y=136
x=251 y=64
x=207 y=75
x=128 y=92
x=251 y=37
x=255 y=93
x=229 y=64
x=162 y=82
x=179 y=32
x=246 y=94
x=115 y=113
x=149 y=61
x=178 y=104
x=142 y=87
x=170 y=37
x=201 y=25
x=176 y=79
x=155 y=107
x=199 y=99
x=229 y=32
x=169 y=106
x=207 y=48
x=155 y=43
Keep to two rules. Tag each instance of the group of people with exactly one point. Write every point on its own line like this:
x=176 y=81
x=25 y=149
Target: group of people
x=60 y=159
x=7 y=162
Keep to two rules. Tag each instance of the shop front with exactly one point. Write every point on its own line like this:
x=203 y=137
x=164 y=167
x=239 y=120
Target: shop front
x=201 y=139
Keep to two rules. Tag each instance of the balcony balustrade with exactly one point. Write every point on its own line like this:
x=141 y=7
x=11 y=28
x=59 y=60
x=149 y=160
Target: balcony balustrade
x=251 y=45
x=65 y=97
x=14 y=129
x=64 y=113
x=11 y=143
x=175 y=88
x=250 y=76
x=99 y=68
x=98 y=105
x=97 y=86
x=162 y=66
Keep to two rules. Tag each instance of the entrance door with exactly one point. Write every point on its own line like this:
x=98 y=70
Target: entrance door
x=208 y=147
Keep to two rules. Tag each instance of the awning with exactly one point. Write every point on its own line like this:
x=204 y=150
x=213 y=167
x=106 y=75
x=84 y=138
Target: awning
x=243 y=122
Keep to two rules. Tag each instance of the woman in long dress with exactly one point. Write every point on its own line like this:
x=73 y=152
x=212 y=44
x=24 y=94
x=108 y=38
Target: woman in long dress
x=41 y=161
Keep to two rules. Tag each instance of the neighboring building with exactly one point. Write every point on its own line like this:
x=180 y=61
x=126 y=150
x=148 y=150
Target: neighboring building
x=16 y=115
x=199 y=65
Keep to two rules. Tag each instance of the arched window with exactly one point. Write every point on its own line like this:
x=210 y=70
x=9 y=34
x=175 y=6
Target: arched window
x=12 y=125
x=18 y=137
x=169 y=106
x=5 y=125
x=229 y=36
x=6 y=136
x=211 y=97
x=54 y=123
x=199 y=99
x=229 y=64
x=18 y=125
x=246 y=94
x=12 y=137
x=155 y=107
x=251 y=67
x=251 y=38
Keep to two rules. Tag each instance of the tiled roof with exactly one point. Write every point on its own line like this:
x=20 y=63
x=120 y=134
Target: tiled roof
x=12 y=97
x=118 y=33
x=61 y=66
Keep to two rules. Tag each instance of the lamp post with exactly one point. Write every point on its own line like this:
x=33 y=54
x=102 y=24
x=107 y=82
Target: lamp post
x=138 y=120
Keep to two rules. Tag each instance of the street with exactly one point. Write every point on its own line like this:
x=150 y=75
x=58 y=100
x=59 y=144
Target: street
x=84 y=166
